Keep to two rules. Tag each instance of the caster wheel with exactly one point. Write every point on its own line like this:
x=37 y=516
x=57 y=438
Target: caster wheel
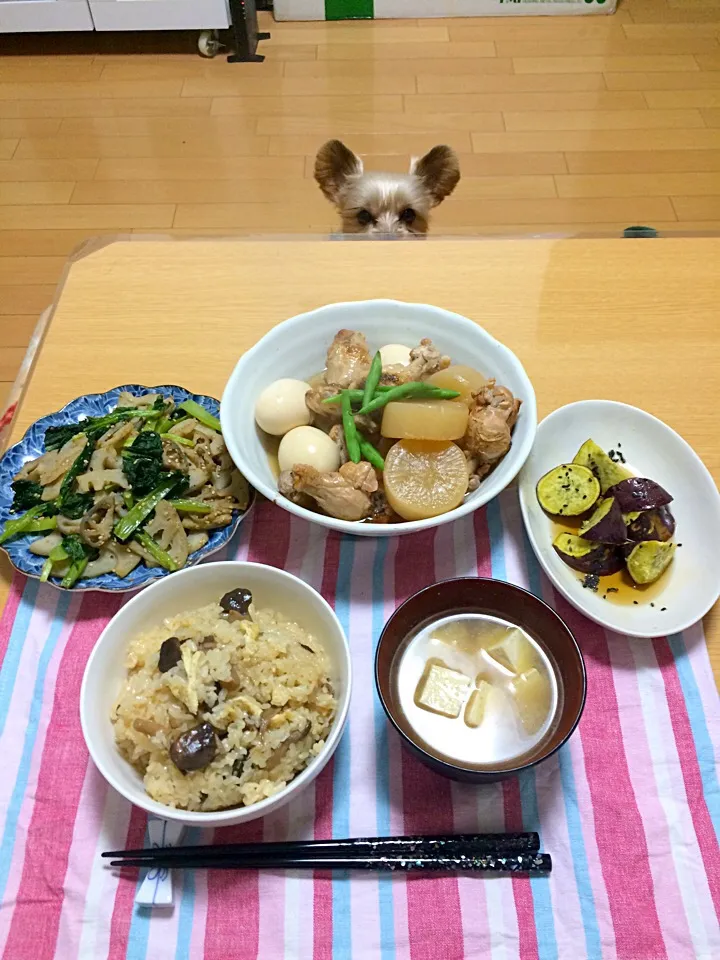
x=208 y=43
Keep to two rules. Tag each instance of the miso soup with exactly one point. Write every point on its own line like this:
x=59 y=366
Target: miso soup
x=477 y=690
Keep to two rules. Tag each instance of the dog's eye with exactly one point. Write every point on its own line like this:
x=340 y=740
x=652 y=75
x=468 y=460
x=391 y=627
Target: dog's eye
x=408 y=215
x=365 y=217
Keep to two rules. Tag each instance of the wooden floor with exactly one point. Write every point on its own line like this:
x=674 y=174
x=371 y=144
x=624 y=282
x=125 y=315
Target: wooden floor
x=573 y=124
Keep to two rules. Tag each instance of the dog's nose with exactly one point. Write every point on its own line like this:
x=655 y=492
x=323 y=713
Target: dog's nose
x=389 y=223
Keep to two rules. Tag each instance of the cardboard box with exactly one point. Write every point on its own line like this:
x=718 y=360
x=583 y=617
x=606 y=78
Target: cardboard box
x=418 y=9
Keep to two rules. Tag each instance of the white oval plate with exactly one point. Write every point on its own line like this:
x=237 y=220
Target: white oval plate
x=654 y=450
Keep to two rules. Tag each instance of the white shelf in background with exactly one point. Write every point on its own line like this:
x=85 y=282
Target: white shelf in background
x=159 y=14
x=44 y=16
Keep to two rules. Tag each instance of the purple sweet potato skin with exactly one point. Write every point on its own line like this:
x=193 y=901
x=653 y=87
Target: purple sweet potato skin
x=652 y=525
x=639 y=493
x=610 y=529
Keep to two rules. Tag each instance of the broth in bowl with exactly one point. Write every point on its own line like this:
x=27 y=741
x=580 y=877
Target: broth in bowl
x=477 y=690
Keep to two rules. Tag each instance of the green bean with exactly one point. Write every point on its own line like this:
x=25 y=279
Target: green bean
x=350 y=430
x=370 y=454
x=356 y=396
x=414 y=389
x=373 y=379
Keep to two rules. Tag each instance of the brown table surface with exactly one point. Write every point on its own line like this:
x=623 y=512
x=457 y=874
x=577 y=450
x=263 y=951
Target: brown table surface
x=630 y=320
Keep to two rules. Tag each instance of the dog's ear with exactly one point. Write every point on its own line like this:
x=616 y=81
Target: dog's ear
x=334 y=163
x=439 y=172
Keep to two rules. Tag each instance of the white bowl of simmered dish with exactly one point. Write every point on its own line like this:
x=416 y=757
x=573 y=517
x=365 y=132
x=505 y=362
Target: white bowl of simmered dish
x=216 y=695
x=378 y=417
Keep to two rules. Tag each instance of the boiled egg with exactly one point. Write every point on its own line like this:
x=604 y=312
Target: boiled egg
x=281 y=406
x=310 y=446
x=393 y=353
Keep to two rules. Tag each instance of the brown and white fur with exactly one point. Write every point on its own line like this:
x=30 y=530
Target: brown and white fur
x=386 y=203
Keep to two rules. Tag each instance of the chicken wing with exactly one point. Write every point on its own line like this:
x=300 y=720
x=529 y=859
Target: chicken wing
x=348 y=360
x=361 y=475
x=337 y=435
x=332 y=492
x=286 y=486
x=323 y=413
x=425 y=359
x=492 y=416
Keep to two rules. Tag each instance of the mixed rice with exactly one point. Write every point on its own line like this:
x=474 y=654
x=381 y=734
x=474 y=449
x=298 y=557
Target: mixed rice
x=223 y=705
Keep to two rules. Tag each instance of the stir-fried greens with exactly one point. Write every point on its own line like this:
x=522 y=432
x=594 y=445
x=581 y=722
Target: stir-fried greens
x=142 y=483
x=142 y=462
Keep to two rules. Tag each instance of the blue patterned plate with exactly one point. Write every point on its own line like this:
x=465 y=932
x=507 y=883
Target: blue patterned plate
x=32 y=445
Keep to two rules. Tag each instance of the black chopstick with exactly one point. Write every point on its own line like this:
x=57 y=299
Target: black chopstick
x=533 y=864
x=475 y=843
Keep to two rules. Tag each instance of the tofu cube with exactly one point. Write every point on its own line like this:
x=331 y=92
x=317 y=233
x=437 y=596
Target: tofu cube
x=513 y=652
x=456 y=634
x=441 y=689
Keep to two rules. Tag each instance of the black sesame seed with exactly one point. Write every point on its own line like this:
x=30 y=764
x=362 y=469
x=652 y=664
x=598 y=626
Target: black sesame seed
x=635 y=601
x=652 y=604
x=584 y=496
x=662 y=609
x=591 y=581
x=618 y=444
x=564 y=506
x=679 y=544
x=612 y=590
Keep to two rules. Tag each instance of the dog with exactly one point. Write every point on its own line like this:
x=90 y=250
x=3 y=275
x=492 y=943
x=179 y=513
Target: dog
x=386 y=203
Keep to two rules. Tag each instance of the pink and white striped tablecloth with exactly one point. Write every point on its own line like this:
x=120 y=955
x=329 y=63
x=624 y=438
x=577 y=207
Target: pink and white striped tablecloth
x=629 y=809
